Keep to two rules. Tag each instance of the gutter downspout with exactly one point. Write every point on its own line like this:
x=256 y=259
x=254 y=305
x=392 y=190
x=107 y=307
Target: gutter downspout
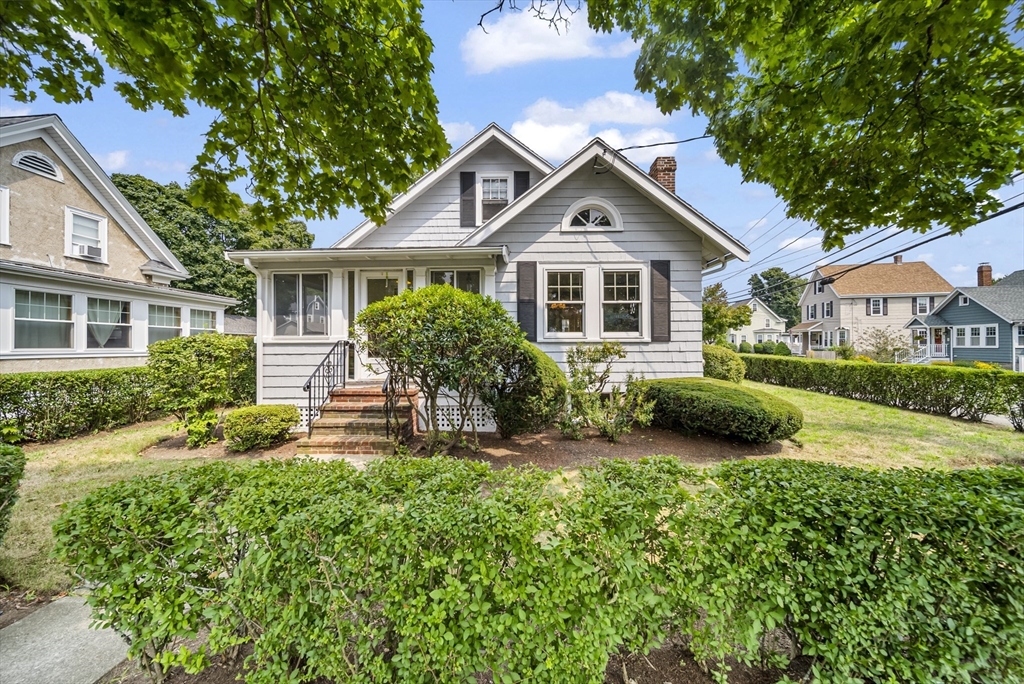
x=247 y=263
x=723 y=262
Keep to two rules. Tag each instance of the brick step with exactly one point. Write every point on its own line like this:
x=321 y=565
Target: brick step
x=342 y=424
x=358 y=391
x=368 y=409
x=327 y=445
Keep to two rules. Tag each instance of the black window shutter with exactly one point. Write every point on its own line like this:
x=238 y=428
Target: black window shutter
x=661 y=301
x=526 y=298
x=467 y=203
x=931 y=304
x=521 y=183
x=867 y=306
x=885 y=306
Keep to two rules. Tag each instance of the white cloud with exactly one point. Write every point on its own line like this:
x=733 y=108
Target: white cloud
x=998 y=276
x=924 y=256
x=959 y=268
x=15 y=111
x=458 y=132
x=85 y=40
x=612 y=107
x=756 y=224
x=113 y=161
x=520 y=38
x=166 y=167
x=800 y=243
x=994 y=194
x=711 y=155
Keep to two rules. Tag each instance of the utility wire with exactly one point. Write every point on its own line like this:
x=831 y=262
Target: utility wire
x=670 y=142
x=757 y=224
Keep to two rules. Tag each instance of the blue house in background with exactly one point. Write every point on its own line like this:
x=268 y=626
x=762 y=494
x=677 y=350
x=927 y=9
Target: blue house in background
x=983 y=323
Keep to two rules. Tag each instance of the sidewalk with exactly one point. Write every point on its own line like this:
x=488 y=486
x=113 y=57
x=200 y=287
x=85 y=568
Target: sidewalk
x=54 y=645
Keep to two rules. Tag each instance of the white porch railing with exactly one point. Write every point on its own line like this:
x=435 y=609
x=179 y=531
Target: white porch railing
x=922 y=354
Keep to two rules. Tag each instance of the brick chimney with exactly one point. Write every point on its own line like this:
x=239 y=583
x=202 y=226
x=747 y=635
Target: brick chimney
x=663 y=170
x=984 y=274
x=898 y=259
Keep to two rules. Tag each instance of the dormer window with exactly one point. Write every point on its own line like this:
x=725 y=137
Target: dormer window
x=85 y=235
x=39 y=164
x=591 y=214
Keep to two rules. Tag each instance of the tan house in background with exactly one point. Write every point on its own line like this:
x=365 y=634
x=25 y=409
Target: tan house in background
x=841 y=306
x=84 y=282
x=765 y=325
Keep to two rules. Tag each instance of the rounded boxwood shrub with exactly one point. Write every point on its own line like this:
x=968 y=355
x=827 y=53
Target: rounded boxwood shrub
x=12 y=468
x=722 y=364
x=782 y=349
x=259 y=427
x=745 y=348
x=716 y=407
x=531 y=394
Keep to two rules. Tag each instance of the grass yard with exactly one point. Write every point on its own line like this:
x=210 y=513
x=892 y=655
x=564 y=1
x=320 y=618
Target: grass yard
x=852 y=432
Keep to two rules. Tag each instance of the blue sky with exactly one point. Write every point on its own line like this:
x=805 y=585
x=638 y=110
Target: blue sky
x=554 y=91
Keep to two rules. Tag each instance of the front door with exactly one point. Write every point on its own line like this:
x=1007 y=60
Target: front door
x=938 y=343
x=375 y=286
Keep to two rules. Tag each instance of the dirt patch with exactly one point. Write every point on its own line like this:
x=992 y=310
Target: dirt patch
x=176 y=449
x=15 y=605
x=550 y=450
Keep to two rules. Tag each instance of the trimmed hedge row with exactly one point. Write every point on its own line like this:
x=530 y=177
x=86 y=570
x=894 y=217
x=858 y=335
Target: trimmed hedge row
x=425 y=570
x=55 y=405
x=717 y=407
x=965 y=393
x=12 y=468
x=260 y=427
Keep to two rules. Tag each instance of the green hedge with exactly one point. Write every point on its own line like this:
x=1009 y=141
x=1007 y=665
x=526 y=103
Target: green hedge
x=260 y=427
x=54 y=405
x=722 y=363
x=966 y=393
x=425 y=570
x=12 y=468
x=716 y=407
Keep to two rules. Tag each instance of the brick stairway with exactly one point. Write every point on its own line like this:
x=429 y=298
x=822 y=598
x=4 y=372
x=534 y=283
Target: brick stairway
x=352 y=422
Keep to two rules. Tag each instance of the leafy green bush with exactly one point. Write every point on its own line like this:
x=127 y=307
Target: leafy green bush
x=716 y=407
x=260 y=427
x=782 y=349
x=1013 y=399
x=445 y=341
x=530 y=394
x=844 y=352
x=12 y=468
x=722 y=364
x=730 y=346
x=55 y=405
x=196 y=375
x=590 y=405
x=966 y=393
x=759 y=348
x=880 y=576
x=745 y=348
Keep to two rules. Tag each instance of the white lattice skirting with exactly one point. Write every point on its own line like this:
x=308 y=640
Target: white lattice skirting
x=448 y=417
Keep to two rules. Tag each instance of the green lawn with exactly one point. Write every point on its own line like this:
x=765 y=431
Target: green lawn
x=853 y=432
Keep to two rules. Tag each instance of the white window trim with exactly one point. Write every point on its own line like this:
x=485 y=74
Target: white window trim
x=917 y=306
x=202 y=330
x=826 y=310
x=69 y=214
x=507 y=177
x=1018 y=334
x=881 y=306
x=182 y=328
x=37 y=351
x=602 y=205
x=593 y=298
x=16 y=162
x=328 y=336
x=964 y=301
x=967 y=337
x=5 y=215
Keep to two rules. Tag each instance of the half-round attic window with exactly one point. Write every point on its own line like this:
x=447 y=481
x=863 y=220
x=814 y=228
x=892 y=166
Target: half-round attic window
x=591 y=214
x=38 y=163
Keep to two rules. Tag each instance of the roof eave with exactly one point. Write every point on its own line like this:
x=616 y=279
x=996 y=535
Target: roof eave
x=371 y=254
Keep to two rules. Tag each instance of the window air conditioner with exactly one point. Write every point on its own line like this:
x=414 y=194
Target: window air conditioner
x=88 y=251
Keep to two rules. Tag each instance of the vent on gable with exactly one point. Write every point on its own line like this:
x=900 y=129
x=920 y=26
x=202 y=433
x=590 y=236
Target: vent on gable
x=34 y=162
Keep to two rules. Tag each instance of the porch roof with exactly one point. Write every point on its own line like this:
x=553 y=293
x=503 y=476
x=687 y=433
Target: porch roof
x=806 y=326
x=253 y=258
x=929 y=321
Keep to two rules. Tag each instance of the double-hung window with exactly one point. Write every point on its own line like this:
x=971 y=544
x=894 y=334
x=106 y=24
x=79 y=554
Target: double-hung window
x=563 y=304
x=109 y=324
x=826 y=310
x=960 y=337
x=621 y=302
x=991 y=336
x=976 y=336
x=86 y=234
x=42 y=320
x=164 y=322
x=813 y=314
x=468 y=281
x=876 y=306
x=921 y=305
x=493 y=196
x=819 y=287
x=202 y=322
x=300 y=304
x=767 y=322
x=1020 y=336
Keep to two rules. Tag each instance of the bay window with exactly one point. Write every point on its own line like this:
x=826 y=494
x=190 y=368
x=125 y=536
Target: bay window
x=164 y=322
x=109 y=324
x=564 y=302
x=300 y=304
x=202 y=322
x=42 y=320
x=621 y=302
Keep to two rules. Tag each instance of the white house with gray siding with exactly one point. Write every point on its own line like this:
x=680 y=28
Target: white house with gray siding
x=595 y=249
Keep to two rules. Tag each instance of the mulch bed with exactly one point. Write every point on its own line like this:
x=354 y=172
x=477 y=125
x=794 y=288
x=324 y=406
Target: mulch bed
x=549 y=450
x=15 y=605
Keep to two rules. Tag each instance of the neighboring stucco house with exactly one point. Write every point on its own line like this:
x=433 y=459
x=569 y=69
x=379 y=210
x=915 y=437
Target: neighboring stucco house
x=841 y=306
x=84 y=282
x=983 y=323
x=595 y=249
x=765 y=325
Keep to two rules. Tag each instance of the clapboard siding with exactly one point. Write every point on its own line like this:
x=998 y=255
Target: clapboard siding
x=285 y=368
x=976 y=315
x=649 y=234
x=432 y=220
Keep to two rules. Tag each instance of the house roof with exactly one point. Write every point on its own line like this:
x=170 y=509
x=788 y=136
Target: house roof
x=804 y=327
x=1005 y=299
x=239 y=325
x=52 y=130
x=763 y=305
x=908 y=278
x=492 y=133
x=717 y=243
x=930 y=321
x=365 y=254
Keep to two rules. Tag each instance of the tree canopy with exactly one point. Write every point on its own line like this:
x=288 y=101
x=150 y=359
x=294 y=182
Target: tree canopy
x=719 y=317
x=198 y=239
x=858 y=113
x=318 y=103
x=780 y=291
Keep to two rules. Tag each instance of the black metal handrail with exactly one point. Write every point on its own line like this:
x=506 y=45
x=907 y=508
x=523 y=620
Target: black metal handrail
x=331 y=372
x=395 y=387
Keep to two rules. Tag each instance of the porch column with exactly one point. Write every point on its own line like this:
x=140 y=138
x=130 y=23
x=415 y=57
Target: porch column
x=490 y=287
x=336 y=302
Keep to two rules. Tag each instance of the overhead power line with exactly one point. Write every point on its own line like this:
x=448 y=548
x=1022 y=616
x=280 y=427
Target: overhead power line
x=670 y=142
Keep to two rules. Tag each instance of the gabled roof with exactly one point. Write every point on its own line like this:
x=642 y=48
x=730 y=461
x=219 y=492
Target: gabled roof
x=763 y=305
x=492 y=133
x=717 y=242
x=908 y=278
x=52 y=130
x=1005 y=299
x=804 y=327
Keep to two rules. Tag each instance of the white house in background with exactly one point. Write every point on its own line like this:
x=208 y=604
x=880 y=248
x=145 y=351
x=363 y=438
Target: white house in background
x=765 y=325
x=595 y=249
x=84 y=282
